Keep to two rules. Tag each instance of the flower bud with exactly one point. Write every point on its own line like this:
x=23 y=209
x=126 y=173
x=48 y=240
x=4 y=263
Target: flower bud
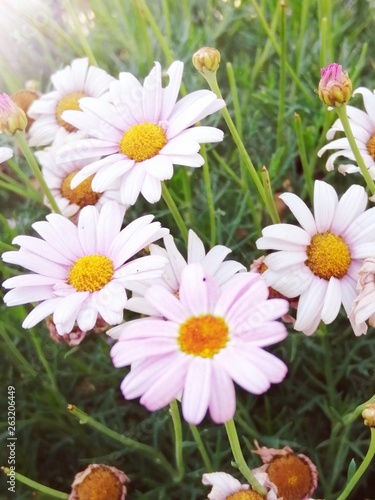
x=24 y=98
x=335 y=86
x=12 y=117
x=206 y=60
x=368 y=415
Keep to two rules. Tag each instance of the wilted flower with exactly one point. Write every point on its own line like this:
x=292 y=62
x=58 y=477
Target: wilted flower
x=335 y=86
x=295 y=476
x=363 y=308
x=99 y=482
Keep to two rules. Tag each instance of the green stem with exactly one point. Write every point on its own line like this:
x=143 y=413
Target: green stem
x=269 y=195
x=175 y=213
x=36 y=341
x=176 y=419
x=361 y=469
x=156 y=456
x=239 y=458
x=303 y=156
x=342 y=114
x=78 y=29
x=212 y=82
x=280 y=116
x=348 y=419
x=206 y=459
x=37 y=486
x=21 y=140
x=22 y=363
x=210 y=199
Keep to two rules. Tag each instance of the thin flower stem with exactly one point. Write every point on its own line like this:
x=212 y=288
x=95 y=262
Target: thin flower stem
x=175 y=213
x=176 y=419
x=23 y=177
x=342 y=114
x=212 y=82
x=37 y=486
x=22 y=364
x=282 y=85
x=36 y=341
x=210 y=199
x=21 y=140
x=361 y=469
x=323 y=42
x=239 y=458
x=156 y=456
x=78 y=29
x=303 y=156
x=206 y=459
x=269 y=195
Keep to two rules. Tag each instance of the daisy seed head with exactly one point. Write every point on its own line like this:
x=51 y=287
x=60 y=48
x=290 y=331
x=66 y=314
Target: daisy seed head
x=143 y=141
x=90 y=273
x=245 y=495
x=69 y=101
x=82 y=195
x=368 y=415
x=328 y=256
x=206 y=60
x=100 y=482
x=12 y=117
x=203 y=335
x=335 y=86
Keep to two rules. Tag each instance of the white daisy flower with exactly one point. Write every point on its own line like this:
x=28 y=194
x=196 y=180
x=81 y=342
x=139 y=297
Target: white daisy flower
x=320 y=261
x=58 y=178
x=141 y=133
x=70 y=85
x=212 y=263
x=363 y=128
x=5 y=153
x=80 y=272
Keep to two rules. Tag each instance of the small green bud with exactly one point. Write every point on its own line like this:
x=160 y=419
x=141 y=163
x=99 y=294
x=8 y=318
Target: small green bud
x=206 y=60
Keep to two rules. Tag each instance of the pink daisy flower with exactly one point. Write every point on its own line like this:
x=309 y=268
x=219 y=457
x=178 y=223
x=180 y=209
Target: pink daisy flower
x=80 y=272
x=320 y=261
x=224 y=486
x=212 y=263
x=208 y=337
x=70 y=84
x=141 y=133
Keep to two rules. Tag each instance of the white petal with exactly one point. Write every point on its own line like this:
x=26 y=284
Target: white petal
x=332 y=301
x=325 y=202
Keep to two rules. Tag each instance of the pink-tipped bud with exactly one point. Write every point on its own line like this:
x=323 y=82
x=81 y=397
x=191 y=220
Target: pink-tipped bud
x=12 y=117
x=335 y=86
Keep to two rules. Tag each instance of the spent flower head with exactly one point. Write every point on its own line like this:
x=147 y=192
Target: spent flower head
x=100 y=482
x=12 y=117
x=368 y=415
x=335 y=86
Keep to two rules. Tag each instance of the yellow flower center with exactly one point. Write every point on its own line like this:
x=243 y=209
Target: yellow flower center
x=328 y=255
x=82 y=195
x=371 y=146
x=142 y=141
x=203 y=335
x=90 y=273
x=69 y=101
x=99 y=484
x=291 y=475
x=245 y=495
